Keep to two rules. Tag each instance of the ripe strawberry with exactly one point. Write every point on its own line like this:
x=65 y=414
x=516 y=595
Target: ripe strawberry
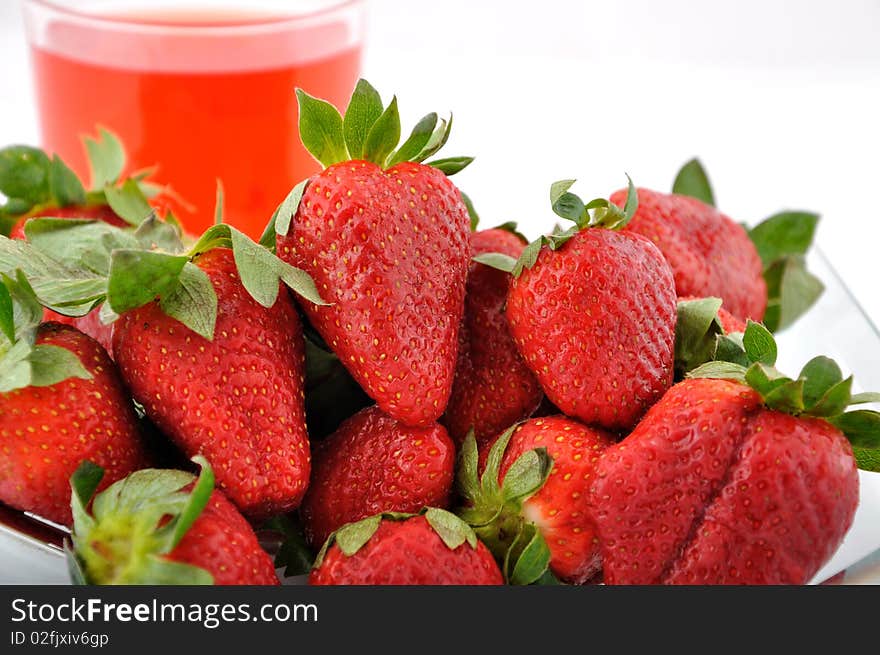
x=374 y=464
x=723 y=483
x=431 y=549
x=128 y=539
x=386 y=240
x=710 y=254
x=57 y=420
x=556 y=507
x=593 y=314
x=237 y=399
x=493 y=387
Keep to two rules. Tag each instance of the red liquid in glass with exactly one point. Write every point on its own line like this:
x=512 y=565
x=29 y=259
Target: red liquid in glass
x=238 y=125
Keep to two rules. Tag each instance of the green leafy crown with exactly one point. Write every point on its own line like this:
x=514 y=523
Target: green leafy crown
x=134 y=524
x=494 y=510
x=599 y=212
x=820 y=390
x=370 y=132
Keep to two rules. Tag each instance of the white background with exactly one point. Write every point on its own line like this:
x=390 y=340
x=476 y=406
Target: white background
x=779 y=98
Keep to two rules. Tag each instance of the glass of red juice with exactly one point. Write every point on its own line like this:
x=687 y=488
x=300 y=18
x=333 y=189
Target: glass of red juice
x=202 y=89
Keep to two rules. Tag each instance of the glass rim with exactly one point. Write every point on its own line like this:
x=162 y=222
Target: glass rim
x=332 y=8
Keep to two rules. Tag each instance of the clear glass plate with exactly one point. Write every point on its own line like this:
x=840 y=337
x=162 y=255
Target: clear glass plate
x=30 y=552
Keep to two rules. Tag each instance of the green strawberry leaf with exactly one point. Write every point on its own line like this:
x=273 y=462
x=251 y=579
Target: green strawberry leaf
x=198 y=500
x=451 y=529
x=156 y=570
x=83 y=484
x=784 y=234
x=7 y=314
x=450 y=165
x=791 y=291
x=496 y=260
x=861 y=427
x=547 y=579
x=436 y=141
x=287 y=209
x=467 y=477
x=764 y=379
x=489 y=481
x=320 y=129
x=787 y=397
x=834 y=401
x=146 y=489
x=261 y=271
x=819 y=374
x=867 y=459
x=192 y=301
x=383 y=135
x=53 y=364
x=526 y=475
x=759 y=344
x=353 y=536
x=416 y=141
x=533 y=559
x=528 y=257
x=729 y=348
x=865 y=397
x=15 y=369
x=472 y=212
x=128 y=202
x=696 y=333
x=64 y=185
x=138 y=277
x=559 y=189
x=106 y=158
x=24 y=174
x=692 y=181
x=154 y=234
x=294 y=555
x=363 y=111
x=719 y=370
x=218 y=203
x=570 y=207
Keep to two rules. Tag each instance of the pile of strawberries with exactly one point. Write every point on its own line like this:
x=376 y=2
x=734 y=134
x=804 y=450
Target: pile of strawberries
x=406 y=399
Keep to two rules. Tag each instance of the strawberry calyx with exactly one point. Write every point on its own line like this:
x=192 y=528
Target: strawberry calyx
x=23 y=362
x=353 y=536
x=134 y=524
x=697 y=332
x=77 y=265
x=819 y=391
x=599 y=212
x=34 y=183
x=368 y=131
x=782 y=242
x=495 y=511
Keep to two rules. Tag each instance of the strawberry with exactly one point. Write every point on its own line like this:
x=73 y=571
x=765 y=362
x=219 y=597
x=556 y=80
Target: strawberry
x=759 y=274
x=61 y=401
x=385 y=238
x=237 y=399
x=493 y=387
x=162 y=527
x=592 y=310
x=374 y=464
x=749 y=479
x=710 y=254
x=434 y=548
x=519 y=505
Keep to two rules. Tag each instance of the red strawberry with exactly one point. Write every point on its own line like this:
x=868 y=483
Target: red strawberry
x=557 y=508
x=594 y=316
x=493 y=387
x=374 y=464
x=434 y=549
x=710 y=254
x=124 y=541
x=387 y=246
x=237 y=399
x=46 y=431
x=719 y=484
